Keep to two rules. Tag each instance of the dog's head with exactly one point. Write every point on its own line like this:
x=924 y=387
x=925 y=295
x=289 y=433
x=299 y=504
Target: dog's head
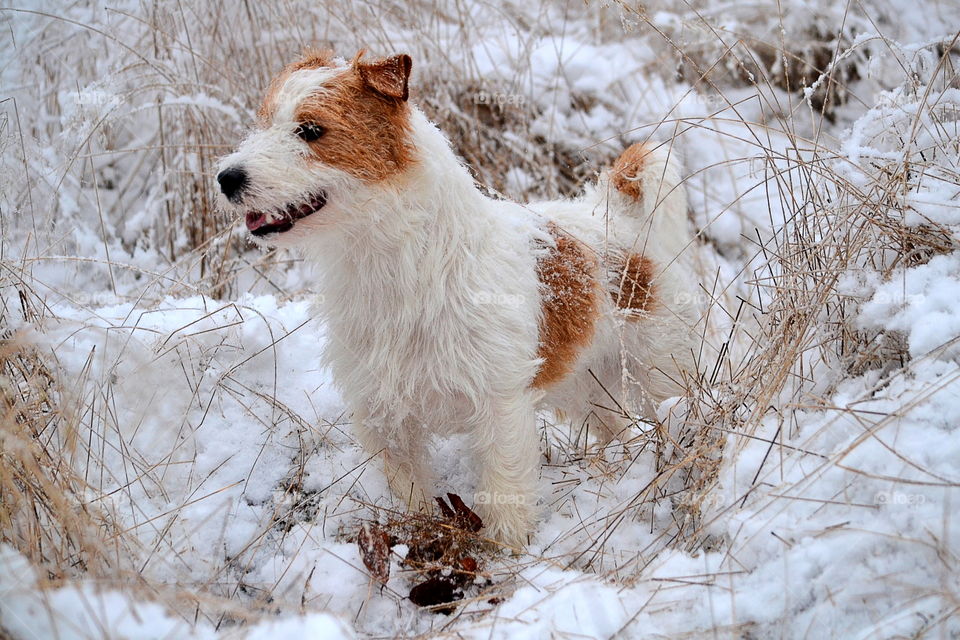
x=328 y=132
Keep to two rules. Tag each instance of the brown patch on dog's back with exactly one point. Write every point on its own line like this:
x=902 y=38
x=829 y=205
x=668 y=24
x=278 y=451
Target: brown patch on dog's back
x=627 y=169
x=570 y=305
x=632 y=282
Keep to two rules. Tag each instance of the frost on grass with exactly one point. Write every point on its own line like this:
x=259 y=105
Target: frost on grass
x=176 y=463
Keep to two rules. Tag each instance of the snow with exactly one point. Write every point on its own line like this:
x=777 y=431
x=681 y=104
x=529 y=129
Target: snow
x=557 y=602
x=223 y=449
x=921 y=302
x=828 y=546
x=76 y=612
x=86 y=612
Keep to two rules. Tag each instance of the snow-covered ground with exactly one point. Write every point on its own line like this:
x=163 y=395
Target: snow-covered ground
x=809 y=488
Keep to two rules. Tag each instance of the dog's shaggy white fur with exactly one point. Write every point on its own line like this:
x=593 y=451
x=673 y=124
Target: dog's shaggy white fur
x=451 y=311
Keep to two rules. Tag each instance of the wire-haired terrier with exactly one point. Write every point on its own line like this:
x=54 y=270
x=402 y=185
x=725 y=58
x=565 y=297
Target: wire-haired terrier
x=448 y=310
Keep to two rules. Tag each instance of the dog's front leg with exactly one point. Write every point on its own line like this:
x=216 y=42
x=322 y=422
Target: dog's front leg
x=404 y=459
x=507 y=449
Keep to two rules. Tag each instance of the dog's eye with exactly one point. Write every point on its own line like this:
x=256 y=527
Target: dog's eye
x=310 y=131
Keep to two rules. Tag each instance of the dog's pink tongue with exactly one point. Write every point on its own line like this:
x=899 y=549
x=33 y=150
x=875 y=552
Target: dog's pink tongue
x=255 y=220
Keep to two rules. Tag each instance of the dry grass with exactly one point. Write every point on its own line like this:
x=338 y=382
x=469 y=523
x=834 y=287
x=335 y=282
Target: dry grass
x=143 y=165
x=43 y=513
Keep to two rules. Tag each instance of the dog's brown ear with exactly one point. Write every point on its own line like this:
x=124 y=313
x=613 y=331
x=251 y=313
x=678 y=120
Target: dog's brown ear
x=387 y=76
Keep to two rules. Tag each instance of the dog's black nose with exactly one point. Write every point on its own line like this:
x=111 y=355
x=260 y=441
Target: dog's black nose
x=232 y=182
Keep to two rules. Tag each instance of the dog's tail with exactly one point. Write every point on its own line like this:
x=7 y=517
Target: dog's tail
x=645 y=194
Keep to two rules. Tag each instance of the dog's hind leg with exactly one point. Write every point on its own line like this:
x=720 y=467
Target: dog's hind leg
x=507 y=449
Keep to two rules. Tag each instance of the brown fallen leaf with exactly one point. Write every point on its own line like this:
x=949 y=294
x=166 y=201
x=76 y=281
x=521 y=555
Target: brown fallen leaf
x=466 y=518
x=374 y=546
x=468 y=564
x=434 y=592
x=445 y=510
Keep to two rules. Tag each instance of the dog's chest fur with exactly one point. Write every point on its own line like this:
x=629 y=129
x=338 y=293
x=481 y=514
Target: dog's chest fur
x=433 y=322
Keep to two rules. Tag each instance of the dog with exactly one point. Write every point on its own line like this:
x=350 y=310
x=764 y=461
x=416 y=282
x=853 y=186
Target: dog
x=448 y=310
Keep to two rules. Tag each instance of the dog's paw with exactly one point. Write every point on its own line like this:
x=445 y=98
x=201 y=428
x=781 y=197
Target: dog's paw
x=509 y=524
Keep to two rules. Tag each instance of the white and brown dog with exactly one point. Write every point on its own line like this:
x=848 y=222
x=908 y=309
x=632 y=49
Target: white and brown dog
x=451 y=311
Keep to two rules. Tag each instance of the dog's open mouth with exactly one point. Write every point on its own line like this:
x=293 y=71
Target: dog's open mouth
x=261 y=223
